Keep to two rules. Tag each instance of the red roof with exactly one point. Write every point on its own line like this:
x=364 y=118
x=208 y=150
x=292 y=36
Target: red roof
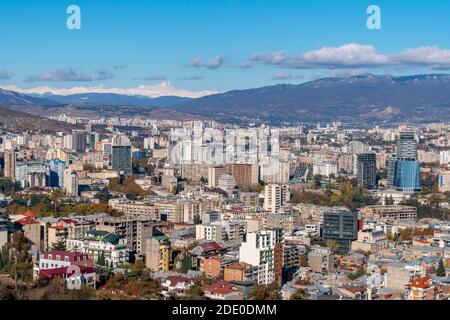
x=423 y=283
x=176 y=279
x=61 y=272
x=29 y=214
x=220 y=287
x=27 y=221
x=211 y=246
x=71 y=255
x=58 y=227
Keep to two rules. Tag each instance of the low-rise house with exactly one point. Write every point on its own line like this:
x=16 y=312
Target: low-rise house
x=240 y=272
x=353 y=292
x=222 y=290
x=175 y=284
x=64 y=264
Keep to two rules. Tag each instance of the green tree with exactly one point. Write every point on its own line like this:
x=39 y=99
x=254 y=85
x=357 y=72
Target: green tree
x=194 y=292
x=265 y=292
x=440 y=272
x=101 y=261
x=300 y=294
x=59 y=246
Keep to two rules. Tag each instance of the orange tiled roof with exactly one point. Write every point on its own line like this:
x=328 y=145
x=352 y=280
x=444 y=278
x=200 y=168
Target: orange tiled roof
x=423 y=282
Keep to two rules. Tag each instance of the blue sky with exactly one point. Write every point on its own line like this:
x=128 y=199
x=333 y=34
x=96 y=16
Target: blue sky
x=205 y=44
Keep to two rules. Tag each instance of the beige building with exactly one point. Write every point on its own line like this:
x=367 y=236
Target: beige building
x=370 y=241
x=275 y=197
x=214 y=173
x=321 y=260
x=158 y=254
x=10 y=164
x=390 y=212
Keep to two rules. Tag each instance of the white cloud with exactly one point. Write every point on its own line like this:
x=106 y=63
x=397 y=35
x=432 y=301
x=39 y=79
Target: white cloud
x=282 y=75
x=212 y=64
x=424 y=56
x=5 y=75
x=163 y=89
x=155 y=77
x=68 y=74
x=357 y=56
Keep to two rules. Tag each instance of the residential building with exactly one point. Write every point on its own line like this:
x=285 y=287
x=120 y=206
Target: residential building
x=158 y=254
x=276 y=196
x=341 y=227
x=264 y=249
x=121 y=159
x=367 y=170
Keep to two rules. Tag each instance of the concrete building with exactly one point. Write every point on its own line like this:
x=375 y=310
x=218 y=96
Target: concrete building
x=71 y=183
x=275 y=197
x=390 y=212
x=214 y=173
x=264 y=249
x=101 y=245
x=158 y=254
x=121 y=159
x=370 y=241
x=321 y=260
x=341 y=227
x=367 y=170
x=10 y=164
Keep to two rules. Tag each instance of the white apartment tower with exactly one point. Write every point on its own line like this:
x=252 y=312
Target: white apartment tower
x=264 y=249
x=276 y=196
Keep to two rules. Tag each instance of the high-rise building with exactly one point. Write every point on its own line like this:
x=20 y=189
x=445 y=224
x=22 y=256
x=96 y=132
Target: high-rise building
x=404 y=167
x=264 y=249
x=276 y=196
x=341 y=227
x=158 y=254
x=57 y=168
x=121 y=159
x=10 y=164
x=214 y=173
x=32 y=174
x=245 y=174
x=71 y=182
x=367 y=170
x=79 y=140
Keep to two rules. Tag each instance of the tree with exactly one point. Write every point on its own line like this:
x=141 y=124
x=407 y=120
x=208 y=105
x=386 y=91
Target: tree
x=194 y=292
x=104 y=195
x=101 y=261
x=59 y=246
x=265 y=292
x=335 y=246
x=357 y=274
x=300 y=294
x=440 y=272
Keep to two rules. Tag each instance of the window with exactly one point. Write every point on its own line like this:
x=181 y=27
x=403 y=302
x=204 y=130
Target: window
x=58 y=258
x=50 y=257
x=66 y=259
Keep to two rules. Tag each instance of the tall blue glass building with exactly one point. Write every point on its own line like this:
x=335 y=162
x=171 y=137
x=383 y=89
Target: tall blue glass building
x=57 y=168
x=404 y=168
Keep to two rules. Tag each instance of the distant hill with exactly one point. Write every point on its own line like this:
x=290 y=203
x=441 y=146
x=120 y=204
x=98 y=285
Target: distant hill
x=114 y=99
x=359 y=99
x=15 y=98
x=421 y=98
x=24 y=121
